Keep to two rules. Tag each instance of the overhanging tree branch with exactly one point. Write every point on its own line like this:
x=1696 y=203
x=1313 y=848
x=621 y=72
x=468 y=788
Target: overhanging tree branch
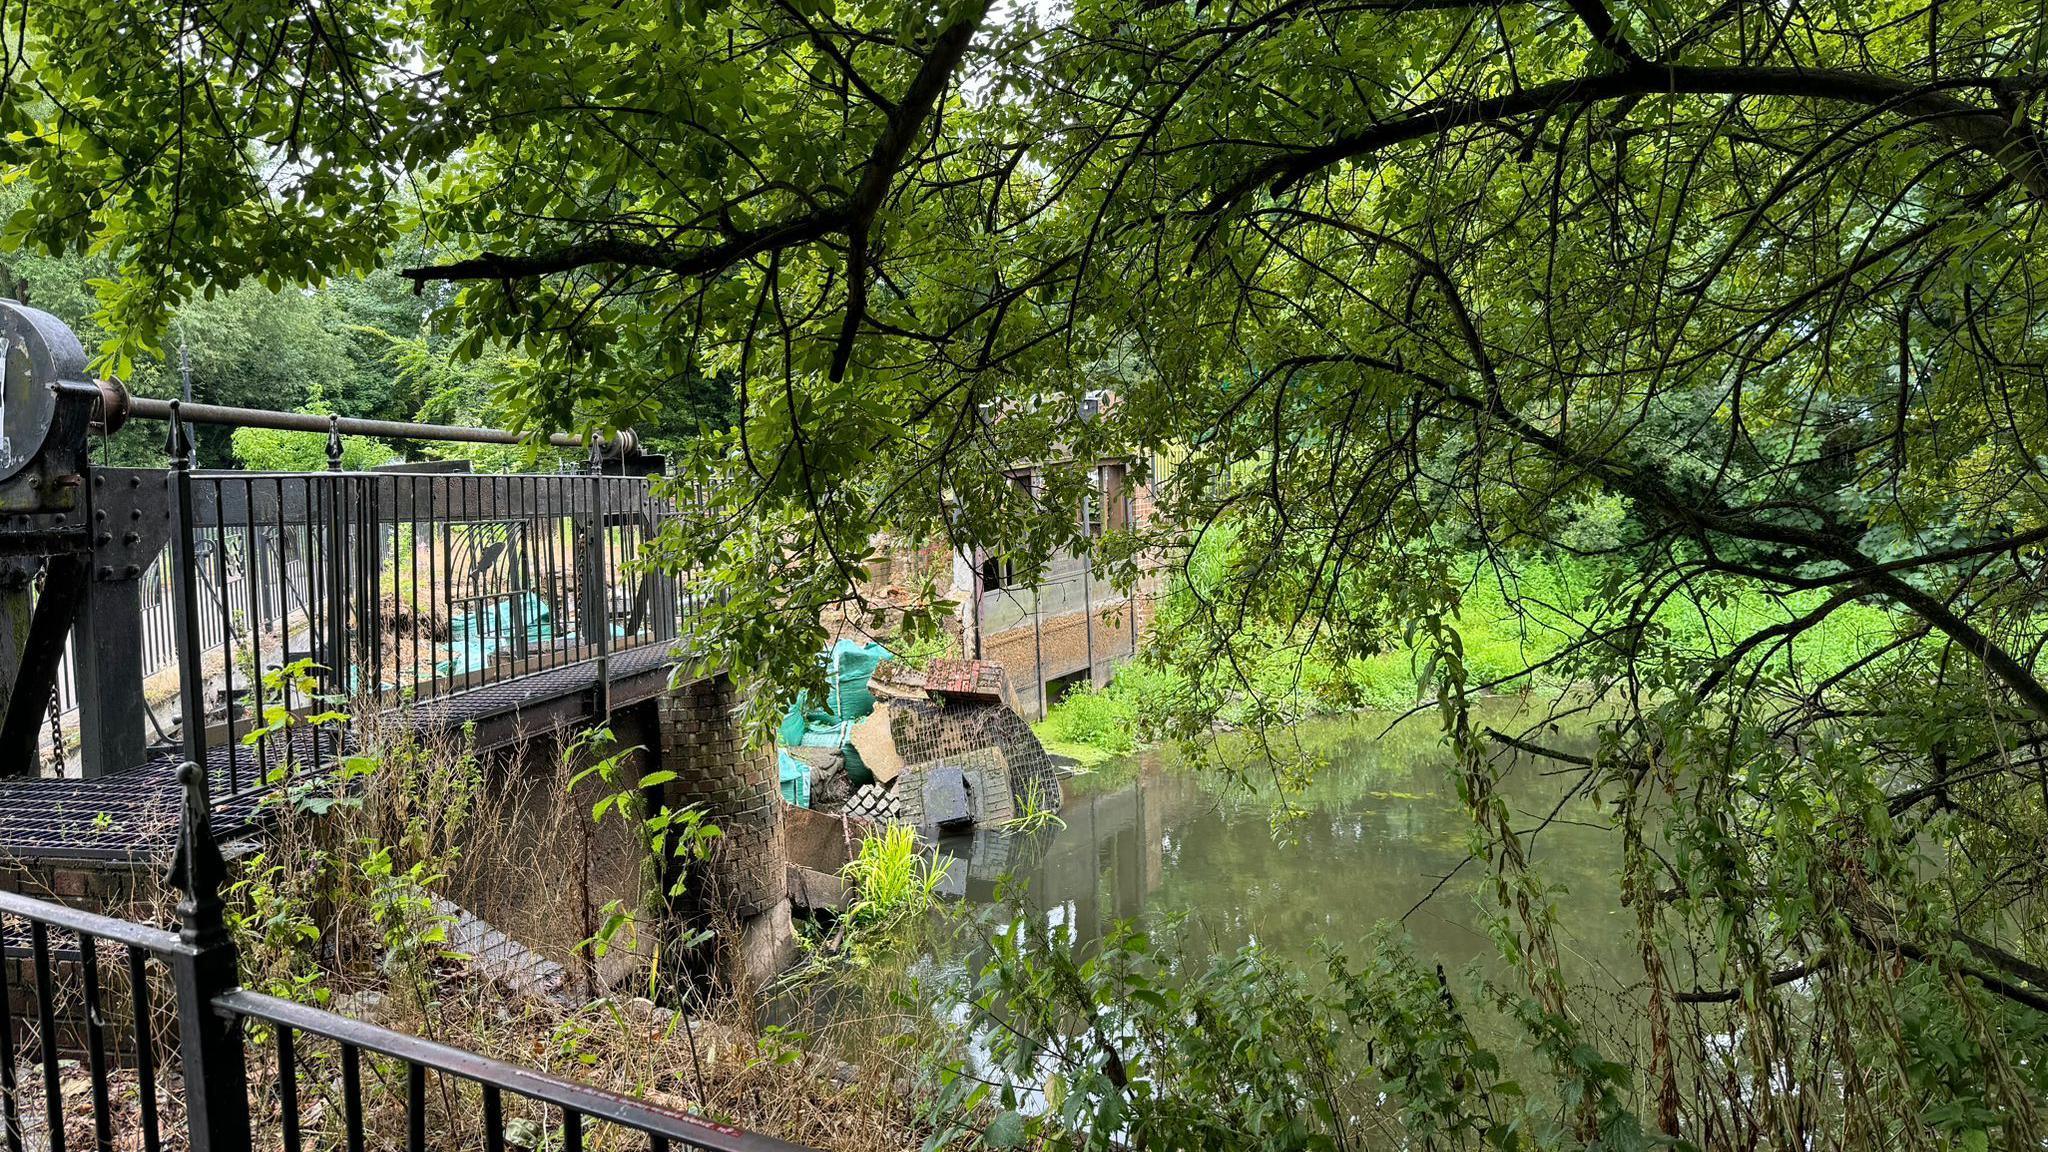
x=635 y=254
x=1704 y=519
x=853 y=219
x=2015 y=145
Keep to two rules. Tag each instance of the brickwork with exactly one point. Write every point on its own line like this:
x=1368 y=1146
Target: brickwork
x=1038 y=634
x=110 y=889
x=693 y=731
x=1061 y=645
x=958 y=731
x=701 y=741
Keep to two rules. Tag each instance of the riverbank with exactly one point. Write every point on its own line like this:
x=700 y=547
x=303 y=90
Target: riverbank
x=1513 y=631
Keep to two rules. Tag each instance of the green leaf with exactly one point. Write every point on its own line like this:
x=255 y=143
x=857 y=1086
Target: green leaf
x=1007 y=1130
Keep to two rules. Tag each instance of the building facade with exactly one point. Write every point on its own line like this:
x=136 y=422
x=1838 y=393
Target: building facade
x=1063 y=627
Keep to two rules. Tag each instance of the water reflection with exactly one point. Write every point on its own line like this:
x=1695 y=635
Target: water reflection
x=1380 y=829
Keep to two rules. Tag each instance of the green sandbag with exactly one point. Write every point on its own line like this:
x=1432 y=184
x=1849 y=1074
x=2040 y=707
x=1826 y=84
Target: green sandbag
x=831 y=735
x=796 y=779
x=852 y=665
x=823 y=732
x=805 y=727
x=856 y=768
x=791 y=733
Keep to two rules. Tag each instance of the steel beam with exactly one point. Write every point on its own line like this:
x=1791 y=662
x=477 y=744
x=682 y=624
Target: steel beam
x=113 y=715
x=28 y=696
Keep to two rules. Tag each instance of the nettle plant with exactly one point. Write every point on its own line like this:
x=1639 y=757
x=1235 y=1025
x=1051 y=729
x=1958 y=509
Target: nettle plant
x=276 y=722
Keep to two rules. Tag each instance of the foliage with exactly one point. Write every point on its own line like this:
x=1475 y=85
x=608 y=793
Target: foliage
x=1092 y=717
x=1136 y=706
x=266 y=450
x=1737 y=305
x=1035 y=815
x=1141 y=1042
x=893 y=877
x=675 y=840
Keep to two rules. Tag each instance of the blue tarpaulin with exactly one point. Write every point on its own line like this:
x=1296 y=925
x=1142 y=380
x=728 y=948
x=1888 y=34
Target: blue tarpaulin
x=477 y=636
x=796 y=779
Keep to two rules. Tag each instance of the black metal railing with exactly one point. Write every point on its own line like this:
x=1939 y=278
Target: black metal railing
x=394 y=588
x=74 y=980
x=55 y=974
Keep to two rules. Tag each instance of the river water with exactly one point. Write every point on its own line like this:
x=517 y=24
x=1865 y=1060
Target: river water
x=1375 y=835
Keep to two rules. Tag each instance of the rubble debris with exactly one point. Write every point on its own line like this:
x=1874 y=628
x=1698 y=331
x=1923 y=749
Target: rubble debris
x=871 y=738
x=812 y=892
x=943 y=749
x=969 y=680
x=943 y=795
x=820 y=840
x=874 y=802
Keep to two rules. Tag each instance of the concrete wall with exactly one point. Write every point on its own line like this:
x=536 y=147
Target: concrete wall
x=1062 y=645
x=1068 y=624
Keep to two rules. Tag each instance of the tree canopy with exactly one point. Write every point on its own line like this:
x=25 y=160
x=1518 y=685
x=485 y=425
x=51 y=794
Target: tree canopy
x=1724 y=299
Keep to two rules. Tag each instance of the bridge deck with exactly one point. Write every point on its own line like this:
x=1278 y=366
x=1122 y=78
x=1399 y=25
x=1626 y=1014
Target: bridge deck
x=132 y=816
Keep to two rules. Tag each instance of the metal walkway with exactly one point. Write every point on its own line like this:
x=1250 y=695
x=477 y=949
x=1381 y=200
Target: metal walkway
x=132 y=816
x=193 y=616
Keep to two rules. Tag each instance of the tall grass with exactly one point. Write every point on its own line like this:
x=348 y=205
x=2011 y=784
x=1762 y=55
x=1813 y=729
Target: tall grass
x=894 y=877
x=342 y=907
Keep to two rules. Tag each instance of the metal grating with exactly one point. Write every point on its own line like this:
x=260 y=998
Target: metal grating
x=132 y=816
x=509 y=697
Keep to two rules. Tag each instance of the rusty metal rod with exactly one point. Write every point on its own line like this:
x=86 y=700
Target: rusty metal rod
x=149 y=408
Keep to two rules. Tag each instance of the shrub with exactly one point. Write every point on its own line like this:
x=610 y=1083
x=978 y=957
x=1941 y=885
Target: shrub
x=1386 y=681
x=269 y=450
x=1098 y=719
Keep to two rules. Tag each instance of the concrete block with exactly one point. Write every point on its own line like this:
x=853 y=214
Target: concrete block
x=815 y=840
x=812 y=892
x=768 y=944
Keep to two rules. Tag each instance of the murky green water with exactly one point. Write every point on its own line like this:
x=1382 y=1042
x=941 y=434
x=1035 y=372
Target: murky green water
x=1379 y=829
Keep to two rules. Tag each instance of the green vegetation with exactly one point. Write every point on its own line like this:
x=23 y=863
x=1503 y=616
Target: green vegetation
x=1124 y=1046
x=893 y=878
x=1712 y=330
x=1514 y=626
x=265 y=450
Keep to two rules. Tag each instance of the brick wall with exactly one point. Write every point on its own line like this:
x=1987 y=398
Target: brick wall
x=108 y=888
x=1009 y=634
x=1060 y=646
x=701 y=741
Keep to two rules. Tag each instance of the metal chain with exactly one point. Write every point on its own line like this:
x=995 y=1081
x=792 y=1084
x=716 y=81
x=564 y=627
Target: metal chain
x=56 y=711
x=56 y=731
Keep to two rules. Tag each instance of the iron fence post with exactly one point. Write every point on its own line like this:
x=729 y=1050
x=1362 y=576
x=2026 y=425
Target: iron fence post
x=185 y=597
x=599 y=568
x=338 y=663
x=210 y=1041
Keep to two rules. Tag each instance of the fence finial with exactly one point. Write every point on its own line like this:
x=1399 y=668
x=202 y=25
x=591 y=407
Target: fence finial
x=335 y=448
x=199 y=869
x=177 y=442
